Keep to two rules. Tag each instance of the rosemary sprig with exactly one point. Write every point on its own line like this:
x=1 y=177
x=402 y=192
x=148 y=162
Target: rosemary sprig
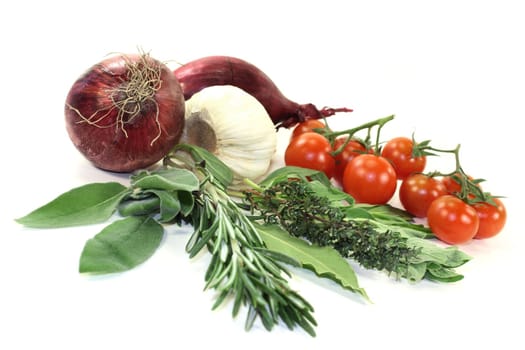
x=240 y=265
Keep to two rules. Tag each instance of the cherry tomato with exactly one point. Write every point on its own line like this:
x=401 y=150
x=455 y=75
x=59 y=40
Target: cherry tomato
x=399 y=152
x=370 y=179
x=418 y=191
x=352 y=149
x=491 y=218
x=312 y=151
x=452 y=220
x=453 y=186
x=307 y=126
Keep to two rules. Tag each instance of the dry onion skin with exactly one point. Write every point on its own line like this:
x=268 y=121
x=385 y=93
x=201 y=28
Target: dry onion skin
x=125 y=112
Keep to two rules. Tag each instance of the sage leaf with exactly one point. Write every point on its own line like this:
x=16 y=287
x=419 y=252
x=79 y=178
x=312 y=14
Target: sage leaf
x=323 y=261
x=172 y=179
x=139 y=206
x=449 y=256
x=287 y=172
x=84 y=205
x=336 y=196
x=439 y=273
x=187 y=202
x=169 y=204
x=434 y=262
x=121 y=246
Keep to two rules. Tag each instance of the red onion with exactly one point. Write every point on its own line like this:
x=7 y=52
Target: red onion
x=223 y=70
x=125 y=113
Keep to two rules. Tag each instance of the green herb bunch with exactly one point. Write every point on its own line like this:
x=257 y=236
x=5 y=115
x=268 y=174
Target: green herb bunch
x=241 y=266
x=190 y=188
x=294 y=206
x=377 y=237
x=248 y=255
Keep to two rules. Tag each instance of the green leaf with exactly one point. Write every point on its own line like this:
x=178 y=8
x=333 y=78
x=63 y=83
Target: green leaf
x=84 y=205
x=434 y=262
x=449 y=256
x=172 y=179
x=389 y=218
x=169 y=204
x=139 y=206
x=323 y=261
x=121 y=245
x=187 y=201
x=439 y=273
x=336 y=196
x=287 y=172
x=220 y=171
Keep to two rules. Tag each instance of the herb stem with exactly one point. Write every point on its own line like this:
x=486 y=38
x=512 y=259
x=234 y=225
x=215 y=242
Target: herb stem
x=240 y=264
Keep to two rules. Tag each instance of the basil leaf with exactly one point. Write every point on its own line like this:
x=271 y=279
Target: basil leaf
x=323 y=261
x=172 y=179
x=121 y=246
x=84 y=205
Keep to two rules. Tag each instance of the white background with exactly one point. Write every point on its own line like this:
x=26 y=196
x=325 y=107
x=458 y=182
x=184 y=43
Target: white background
x=451 y=71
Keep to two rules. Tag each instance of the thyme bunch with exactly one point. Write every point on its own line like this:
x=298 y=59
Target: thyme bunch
x=303 y=213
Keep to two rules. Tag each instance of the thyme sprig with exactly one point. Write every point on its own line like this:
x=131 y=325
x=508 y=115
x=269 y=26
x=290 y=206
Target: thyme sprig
x=315 y=211
x=294 y=206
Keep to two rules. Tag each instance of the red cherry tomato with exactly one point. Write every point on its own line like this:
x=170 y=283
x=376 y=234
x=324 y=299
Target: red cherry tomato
x=352 y=149
x=418 y=191
x=452 y=185
x=307 y=126
x=399 y=152
x=452 y=220
x=370 y=179
x=491 y=218
x=312 y=151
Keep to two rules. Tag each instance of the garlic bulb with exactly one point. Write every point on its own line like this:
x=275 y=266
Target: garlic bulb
x=235 y=127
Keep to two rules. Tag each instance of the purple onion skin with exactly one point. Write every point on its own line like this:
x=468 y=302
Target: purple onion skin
x=137 y=144
x=224 y=70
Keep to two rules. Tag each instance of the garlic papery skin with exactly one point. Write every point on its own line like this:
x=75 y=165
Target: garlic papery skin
x=235 y=127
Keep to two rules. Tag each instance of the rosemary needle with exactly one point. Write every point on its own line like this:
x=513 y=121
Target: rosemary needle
x=241 y=267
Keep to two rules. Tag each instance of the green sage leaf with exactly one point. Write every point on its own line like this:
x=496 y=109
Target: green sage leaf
x=172 y=179
x=323 y=261
x=449 y=256
x=439 y=273
x=288 y=172
x=336 y=196
x=139 y=206
x=434 y=262
x=121 y=246
x=187 y=202
x=169 y=204
x=84 y=205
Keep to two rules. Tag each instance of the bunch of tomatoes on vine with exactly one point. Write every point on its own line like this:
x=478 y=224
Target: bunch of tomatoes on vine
x=454 y=204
